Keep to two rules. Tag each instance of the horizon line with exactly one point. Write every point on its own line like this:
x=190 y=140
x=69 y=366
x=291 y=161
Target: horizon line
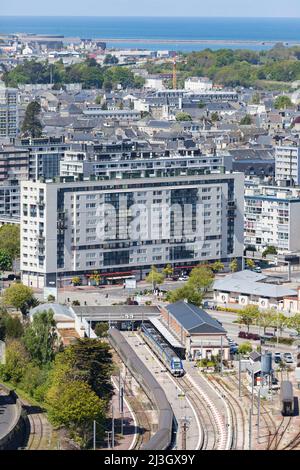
x=147 y=16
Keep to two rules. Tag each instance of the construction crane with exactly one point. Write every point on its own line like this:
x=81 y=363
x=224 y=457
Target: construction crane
x=174 y=74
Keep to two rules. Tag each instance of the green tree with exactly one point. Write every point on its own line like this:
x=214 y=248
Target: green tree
x=266 y=318
x=294 y=322
x=75 y=405
x=5 y=260
x=76 y=281
x=246 y=120
x=111 y=59
x=250 y=263
x=19 y=296
x=188 y=293
x=201 y=105
x=10 y=240
x=234 y=265
x=16 y=361
x=245 y=348
x=154 y=277
x=32 y=125
x=96 y=278
x=256 y=98
x=168 y=270
x=283 y=102
x=40 y=337
x=270 y=250
x=248 y=316
x=217 y=266
x=183 y=117
x=101 y=329
x=33 y=378
x=13 y=328
x=201 y=278
x=214 y=117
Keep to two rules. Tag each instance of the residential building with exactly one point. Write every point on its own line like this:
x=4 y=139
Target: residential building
x=287 y=163
x=272 y=217
x=74 y=227
x=45 y=154
x=198 y=84
x=8 y=112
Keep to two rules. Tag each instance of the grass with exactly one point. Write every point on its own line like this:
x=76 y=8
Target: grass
x=23 y=395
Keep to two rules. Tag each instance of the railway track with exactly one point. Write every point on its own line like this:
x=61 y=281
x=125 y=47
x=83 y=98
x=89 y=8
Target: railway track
x=234 y=405
x=279 y=434
x=265 y=415
x=211 y=435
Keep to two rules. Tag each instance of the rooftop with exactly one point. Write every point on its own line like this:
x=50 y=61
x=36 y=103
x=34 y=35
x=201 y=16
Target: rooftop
x=194 y=319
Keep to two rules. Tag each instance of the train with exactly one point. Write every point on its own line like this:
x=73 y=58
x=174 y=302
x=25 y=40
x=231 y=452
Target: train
x=287 y=398
x=163 y=437
x=168 y=357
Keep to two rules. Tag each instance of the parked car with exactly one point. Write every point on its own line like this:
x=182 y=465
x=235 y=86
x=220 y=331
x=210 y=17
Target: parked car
x=277 y=357
x=294 y=335
x=288 y=358
x=253 y=336
x=183 y=278
x=257 y=269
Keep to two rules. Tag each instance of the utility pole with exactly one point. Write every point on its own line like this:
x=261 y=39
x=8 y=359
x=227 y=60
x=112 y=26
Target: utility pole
x=252 y=391
x=184 y=430
x=239 y=375
x=112 y=427
x=258 y=414
x=94 y=435
x=250 y=428
x=221 y=369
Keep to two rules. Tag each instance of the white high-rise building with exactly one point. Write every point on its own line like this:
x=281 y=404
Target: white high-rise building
x=8 y=112
x=272 y=218
x=120 y=227
x=287 y=163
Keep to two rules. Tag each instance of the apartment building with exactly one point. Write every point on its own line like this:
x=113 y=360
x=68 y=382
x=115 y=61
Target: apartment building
x=45 y=154
x=118 y=159
x=8 y=112
x=272 y=217
x=75 y=227
x=287 y=163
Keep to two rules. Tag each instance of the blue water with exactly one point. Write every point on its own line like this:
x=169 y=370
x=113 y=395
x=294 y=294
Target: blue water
x=225 y=29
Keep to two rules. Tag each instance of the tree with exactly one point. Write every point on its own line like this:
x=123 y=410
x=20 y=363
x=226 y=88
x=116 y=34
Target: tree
x=246 y=120
x=217 y=266
x=201 y=278
x=294 y=322
x=16 y=361
x=256 y=98
x=50 y=298
x=111 y=59
x=280 y=322
x=5 y=260
x=201 y=105
x=19 y=296
x=10 y=327
x=168 y=270
x=234 y=265
x=101 y=329
x=270 y=250
x=40 y=337
x=214 y=117
x=248 y=315
x=266 y=318
x=183 y=117
x=96 y=278
x=283 y=102
x=154 y=277
x=250 y=263
x=75 y=405
x=245 y=348
x=10 y=240
x=187 y=293
x=76 y=281
x=32 y=126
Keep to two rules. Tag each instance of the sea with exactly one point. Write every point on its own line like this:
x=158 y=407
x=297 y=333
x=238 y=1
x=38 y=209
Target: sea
x=179 y=32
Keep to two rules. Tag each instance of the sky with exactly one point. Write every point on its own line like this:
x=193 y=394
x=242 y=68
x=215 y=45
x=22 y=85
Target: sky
x=221 y=8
